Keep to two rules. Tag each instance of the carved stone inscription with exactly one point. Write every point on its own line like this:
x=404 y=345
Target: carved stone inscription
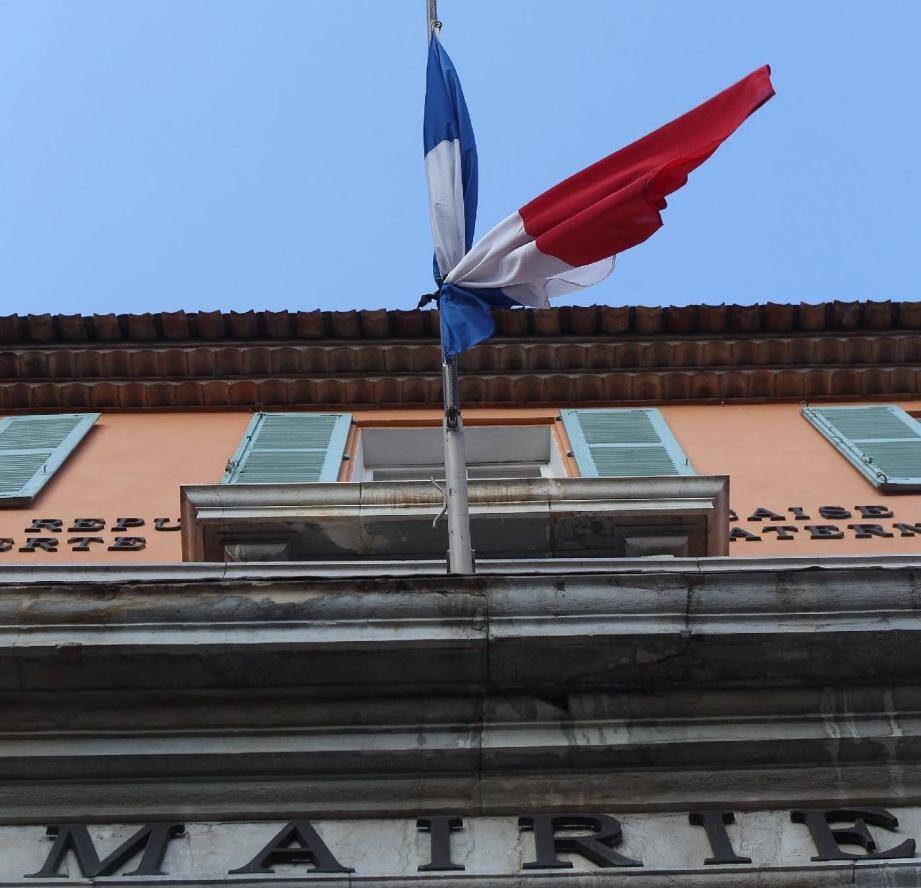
x=804 y=838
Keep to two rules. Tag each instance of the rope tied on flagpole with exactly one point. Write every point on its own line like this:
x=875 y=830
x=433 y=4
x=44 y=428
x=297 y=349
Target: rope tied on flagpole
x=434 y=23
x=426 y=298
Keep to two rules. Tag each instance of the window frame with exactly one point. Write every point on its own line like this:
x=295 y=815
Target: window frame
x=554 y=466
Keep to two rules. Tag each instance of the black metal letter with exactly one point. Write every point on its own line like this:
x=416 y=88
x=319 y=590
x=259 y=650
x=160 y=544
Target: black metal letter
x=5 y=544
x=826 y=839
x=440 y=829
x=740 y=533
x=874 y=511
x=82 y=544
x=152 y=838
x=783 y=531
x=163 y=524
x=798 y=513
x=597 y=846
x=310 y=848
x=128 y=544
x=714 y=824
x=49 y=525
x=761 y=513
x=865 y=531
x=834 y=513
x=87 y=525
x=48 y=544
x=825 y=532
x=907 y=530
x=122 y=524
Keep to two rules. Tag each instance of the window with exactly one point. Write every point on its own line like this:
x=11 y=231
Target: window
x=881 y=441
x=493 y=452
x=544 y=515
x=32 y=448
x=284 y=448
x=624 y=443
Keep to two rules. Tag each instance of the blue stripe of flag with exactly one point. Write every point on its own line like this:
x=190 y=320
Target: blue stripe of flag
x=446 y=117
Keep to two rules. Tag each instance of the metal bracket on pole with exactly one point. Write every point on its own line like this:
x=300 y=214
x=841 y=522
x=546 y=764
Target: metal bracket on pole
x=432 y=9
x=460 y=552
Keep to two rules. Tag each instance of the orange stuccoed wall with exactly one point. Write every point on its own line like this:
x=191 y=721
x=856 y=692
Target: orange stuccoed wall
x=132 y=465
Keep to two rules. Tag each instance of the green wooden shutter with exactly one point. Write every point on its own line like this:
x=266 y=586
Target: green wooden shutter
x=632 y=443
x=32 y=448
x=881 y=441
x=286 y=448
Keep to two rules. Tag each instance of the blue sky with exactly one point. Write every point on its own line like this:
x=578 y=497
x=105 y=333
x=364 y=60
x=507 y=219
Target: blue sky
x=235 y=154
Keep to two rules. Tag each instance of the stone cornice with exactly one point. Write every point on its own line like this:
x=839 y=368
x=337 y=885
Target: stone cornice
x=247 y=691
x=777 y=622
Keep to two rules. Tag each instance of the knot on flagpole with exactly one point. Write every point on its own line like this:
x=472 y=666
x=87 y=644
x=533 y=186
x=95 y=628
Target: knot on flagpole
x=436 y=25
x=426 y=298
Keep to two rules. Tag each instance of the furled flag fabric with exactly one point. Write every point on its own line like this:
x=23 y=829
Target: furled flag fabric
x=566 y=238
x=450 y=162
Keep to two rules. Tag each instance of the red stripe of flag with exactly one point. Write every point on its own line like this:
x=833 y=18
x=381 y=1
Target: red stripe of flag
x=615 y=204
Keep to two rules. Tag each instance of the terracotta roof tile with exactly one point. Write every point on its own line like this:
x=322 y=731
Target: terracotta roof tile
x=878 y=315
x=571 y=354
x=908 y=315
x=374 y=324
x=778 y=318
x=408 y=324
x=10 y=329
x=343 y=324
x=711 y=318
x=647 y=321
x=745 y=318
x=175 y=325
x=845 y=315
x=547 y=322
x=615 y=320
x=583 y=320
x=513 y=323
x=277 y=324
x=106 y=328
x=309 y=325
x=812 y=317
x=245 y=325
x=211 y=325
x=142 y=328
x=682 y=320
x=41 y=328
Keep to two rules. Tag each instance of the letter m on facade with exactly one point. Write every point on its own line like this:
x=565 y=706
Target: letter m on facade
x=149 y=842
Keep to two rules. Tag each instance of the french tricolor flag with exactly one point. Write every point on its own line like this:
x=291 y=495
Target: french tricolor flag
x=567 y=238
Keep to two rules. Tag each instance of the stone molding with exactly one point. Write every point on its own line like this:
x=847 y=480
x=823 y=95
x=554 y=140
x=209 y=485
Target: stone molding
x=529 y=518
x=247 y=690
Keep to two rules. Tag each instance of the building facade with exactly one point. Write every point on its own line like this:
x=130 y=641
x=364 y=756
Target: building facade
x=688 y=656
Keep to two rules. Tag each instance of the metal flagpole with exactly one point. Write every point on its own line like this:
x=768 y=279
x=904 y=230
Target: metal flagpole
x=460 y=553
